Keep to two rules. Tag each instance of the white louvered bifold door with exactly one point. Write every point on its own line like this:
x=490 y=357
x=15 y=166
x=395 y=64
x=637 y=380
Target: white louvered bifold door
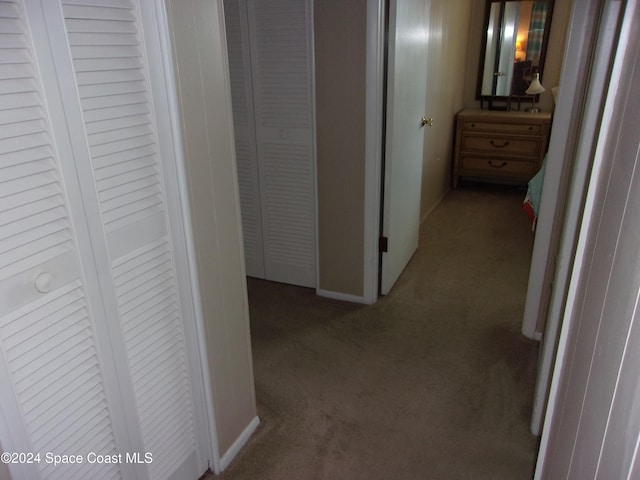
x=111 y=75
x=281 y=56
x=52 y=396
x=270 y=56
x=59 y=343
x=235 y=17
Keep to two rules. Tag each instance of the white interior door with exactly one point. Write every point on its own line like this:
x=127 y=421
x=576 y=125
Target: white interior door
x=406 y=93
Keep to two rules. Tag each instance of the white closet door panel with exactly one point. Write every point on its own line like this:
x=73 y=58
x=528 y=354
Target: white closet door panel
x=54 y=394
x=152 y=328
x=111 y=74
x=244 y=131
x=282 y=77
x=281 y=46
x=52 y=361
x=289 y=203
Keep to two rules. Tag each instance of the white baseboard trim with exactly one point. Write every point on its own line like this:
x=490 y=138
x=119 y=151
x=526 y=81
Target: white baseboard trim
x=342 y=296
x=235 y=448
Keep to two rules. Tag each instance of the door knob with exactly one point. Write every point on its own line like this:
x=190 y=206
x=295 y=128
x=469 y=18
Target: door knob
x=426 y=121
x=44 y=282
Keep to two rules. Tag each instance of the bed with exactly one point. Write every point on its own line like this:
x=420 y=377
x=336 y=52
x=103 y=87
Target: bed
x=531 y=203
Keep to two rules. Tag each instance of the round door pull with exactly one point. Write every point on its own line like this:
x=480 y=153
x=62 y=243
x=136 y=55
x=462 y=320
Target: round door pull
x=44 y=282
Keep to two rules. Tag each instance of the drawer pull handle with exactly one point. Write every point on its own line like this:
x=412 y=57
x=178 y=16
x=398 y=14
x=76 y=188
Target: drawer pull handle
x=491 y=164
x=493 y=144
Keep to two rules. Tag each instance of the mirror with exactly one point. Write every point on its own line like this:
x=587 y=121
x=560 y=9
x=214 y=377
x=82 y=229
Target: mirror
x=514 y=46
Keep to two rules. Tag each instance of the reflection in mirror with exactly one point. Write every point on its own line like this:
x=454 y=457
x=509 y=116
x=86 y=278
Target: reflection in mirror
x=515 y=47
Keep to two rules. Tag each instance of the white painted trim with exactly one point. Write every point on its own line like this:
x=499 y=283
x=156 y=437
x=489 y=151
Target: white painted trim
x=237 y=445
x=373 y=146
x=183 y=192
x=343 y=296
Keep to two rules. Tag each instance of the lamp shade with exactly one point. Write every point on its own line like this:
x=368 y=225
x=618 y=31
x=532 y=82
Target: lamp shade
x=536 y=87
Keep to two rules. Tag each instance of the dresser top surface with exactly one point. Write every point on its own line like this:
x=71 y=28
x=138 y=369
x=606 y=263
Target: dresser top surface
x=502 y=114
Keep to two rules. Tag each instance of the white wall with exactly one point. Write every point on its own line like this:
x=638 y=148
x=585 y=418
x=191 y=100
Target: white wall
x=201 y=70
x=447 y=46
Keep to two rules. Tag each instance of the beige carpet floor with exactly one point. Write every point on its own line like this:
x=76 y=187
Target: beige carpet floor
x=435 y=381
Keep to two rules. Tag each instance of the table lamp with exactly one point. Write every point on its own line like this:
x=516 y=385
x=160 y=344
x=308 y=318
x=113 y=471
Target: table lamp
x=535 y=88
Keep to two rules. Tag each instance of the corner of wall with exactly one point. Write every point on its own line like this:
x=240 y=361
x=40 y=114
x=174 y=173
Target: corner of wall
x=201 y=69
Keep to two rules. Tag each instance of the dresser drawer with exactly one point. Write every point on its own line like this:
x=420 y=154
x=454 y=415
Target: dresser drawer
x=502 y=145
x=514 y=128
x=484 y=166
x=507 y=147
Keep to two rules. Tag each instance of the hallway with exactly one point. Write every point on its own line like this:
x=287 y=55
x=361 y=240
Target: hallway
x=435 y=381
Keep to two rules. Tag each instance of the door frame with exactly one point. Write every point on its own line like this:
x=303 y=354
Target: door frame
x=374 y=131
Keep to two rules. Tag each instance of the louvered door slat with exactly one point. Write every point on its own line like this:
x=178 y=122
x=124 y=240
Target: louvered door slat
x=24 y=128
x=105 y=126
x=103 y=40
x=40 y=187
x=121 y=145
x=126 y=133
x=132 y=184
x=95 y=92
x=103 y=11
x=125 y=161
x=105 y=26
x=113 y=177
x=115 y=113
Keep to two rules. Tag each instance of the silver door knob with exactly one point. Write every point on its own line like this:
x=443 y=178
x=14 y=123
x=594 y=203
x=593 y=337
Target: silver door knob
x=44 y=282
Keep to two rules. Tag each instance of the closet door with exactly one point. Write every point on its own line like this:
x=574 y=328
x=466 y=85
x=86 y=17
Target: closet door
x=92 y=331
x=111 y=115
x=270 y=58
x=54 y=379
x=281 y=66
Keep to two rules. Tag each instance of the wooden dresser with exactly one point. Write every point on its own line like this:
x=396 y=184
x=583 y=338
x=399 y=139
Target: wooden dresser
x=500 y=146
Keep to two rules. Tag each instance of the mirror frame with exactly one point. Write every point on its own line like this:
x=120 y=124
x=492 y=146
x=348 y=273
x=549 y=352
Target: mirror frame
x=506 y=100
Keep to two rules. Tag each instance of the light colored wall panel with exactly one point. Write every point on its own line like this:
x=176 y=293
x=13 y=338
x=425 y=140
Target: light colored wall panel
x=447 y=47
x=199 y=49
x=340 y=36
